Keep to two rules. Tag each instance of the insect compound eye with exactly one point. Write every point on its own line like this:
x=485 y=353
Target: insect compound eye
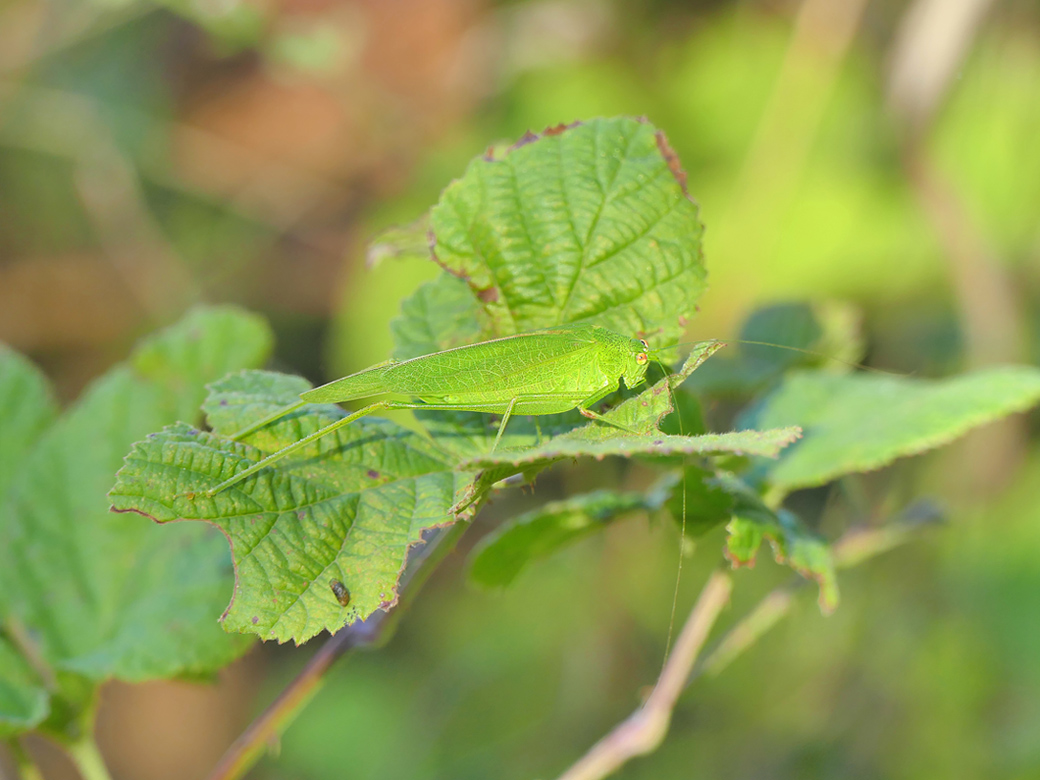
x=341 y=593
x=641 y=358
x=646 y=347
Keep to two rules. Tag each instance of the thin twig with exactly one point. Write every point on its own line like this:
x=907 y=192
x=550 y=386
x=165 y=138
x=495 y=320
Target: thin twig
x=748 y=630
x=88 y=759
x=644 y=730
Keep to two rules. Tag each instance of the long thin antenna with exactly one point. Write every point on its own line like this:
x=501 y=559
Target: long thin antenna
x=811 y=353
x=682 y=530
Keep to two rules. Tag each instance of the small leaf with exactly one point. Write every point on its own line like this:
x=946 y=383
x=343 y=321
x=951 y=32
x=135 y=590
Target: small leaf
x=503 y=554
x=701 y=502
x=861 y=422
x=586 y=222
x=348 y=508
x=793 y=545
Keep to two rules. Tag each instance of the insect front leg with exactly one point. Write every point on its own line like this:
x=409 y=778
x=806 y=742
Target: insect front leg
x=583 y=408
x=596 y=416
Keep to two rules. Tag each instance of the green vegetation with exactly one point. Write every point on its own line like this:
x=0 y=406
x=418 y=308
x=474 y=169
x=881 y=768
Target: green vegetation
x=186 y=198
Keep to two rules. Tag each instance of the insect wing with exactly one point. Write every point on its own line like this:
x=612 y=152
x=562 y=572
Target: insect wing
x=545 y=361
x=363 y=384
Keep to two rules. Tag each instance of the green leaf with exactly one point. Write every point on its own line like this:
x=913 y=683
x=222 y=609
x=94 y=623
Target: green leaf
x=440 y=315
x=793 y=545
x=592 y=441
x=862 y=422
x=104 y=595
x=348 y=508
x=27 y=407
x=204 y=346
x=503 y=554
x=586 y=222
x=703 y=499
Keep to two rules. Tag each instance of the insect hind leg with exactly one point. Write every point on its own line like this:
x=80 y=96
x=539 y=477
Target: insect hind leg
x=505 y=419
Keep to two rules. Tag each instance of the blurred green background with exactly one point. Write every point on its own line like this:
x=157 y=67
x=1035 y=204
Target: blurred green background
x=885 y=154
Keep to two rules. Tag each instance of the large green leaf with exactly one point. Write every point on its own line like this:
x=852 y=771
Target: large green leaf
x=586 y=222
x=348 y=508
x=861 y=422
x=101 y=595
x=607 y=176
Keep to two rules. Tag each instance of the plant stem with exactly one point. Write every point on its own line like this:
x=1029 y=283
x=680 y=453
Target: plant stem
x=645 y=729
x=88 y=760
x=766 y=614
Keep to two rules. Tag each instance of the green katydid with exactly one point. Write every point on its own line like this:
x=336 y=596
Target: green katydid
x=543 y=372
